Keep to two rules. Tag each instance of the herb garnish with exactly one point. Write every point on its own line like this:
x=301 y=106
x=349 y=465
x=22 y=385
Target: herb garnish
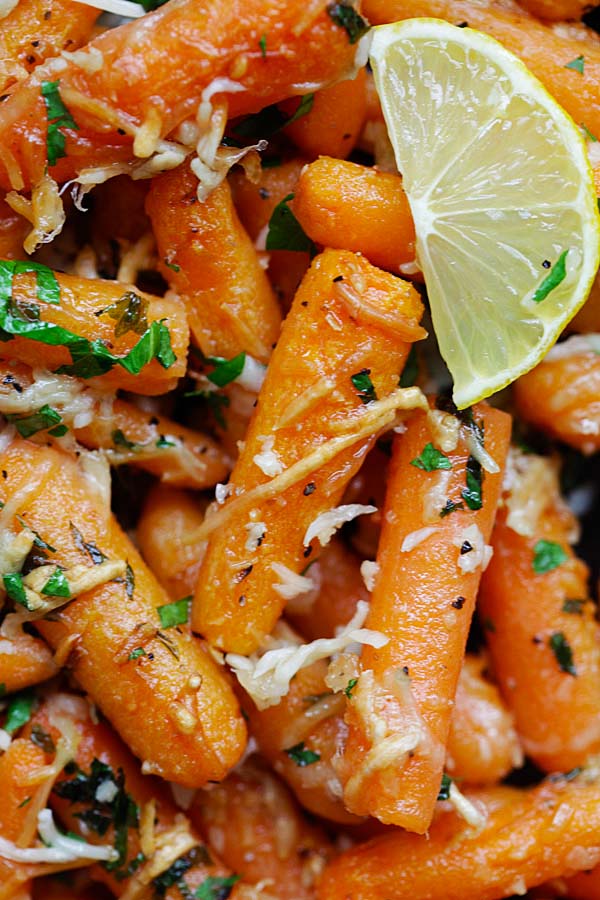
x=431 y=459
x=38 y=421
x=554 y=277
x=410 y=370
x=361 y=381
x=577 y=64
x=216 y=887
x=120 y=440
x=13 y=585
x=472 y=493
x=349 y=687
x=574 y=607
x=263 y=45
x=450 y=507
x=344 y=15
x=285 y=231
x=270 y=120
x=444 y=793
x=37 y=540
x=562 y=652
x=58 y=117
x=19 y=711
x=130 y=314
x=42 y=739
x=177 y=870
x=135 y=654
x=176 y=613
x=547 y=555
x=57 y=585
x=226 y=370
x=301 y=756
x=96 y=555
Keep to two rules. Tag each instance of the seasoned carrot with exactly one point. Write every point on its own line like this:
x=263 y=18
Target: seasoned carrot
x=161 y=691
x=24 y=660
x=543 y=637
x=260 y=831
x=332 y=125
x=212 y=264
x=482 y=742
x=556 y=10
x=167 y=517
x=561 y=396
x=433 y=546
x=175 y=53
x=256 y=200
x=543 y=50
x=154 y=828
x=98 y=318
x=329 y=193
x=343 y=344
x=529 y=837
x=13 y=229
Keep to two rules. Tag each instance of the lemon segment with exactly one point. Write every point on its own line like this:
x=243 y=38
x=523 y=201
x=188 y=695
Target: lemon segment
x=502 y=195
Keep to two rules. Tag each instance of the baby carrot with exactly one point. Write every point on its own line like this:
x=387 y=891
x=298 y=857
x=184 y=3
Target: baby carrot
x=256 y=200
x=543 y=50
x=154 y=682
x=543 y=637
x=432 y=550
x=212 y=264
x=342 y=346
x=530 y=836
x=329 y=192
x=562 y=395
x=167 y=517
x=24 y=660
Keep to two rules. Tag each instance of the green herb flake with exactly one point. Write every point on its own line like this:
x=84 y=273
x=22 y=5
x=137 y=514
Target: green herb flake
x=89 y=547
x=555 y=276
x=562 y=652
x=130 y=313
x=472 y=494
x=588 y=134
x=444 y=793
x=57 y=585
x=216 y=887
x=350 y=687
x=410 y=371
x=59 y=431
x=58 y=117
x=301 y=756
x=361 y=381
x=120 y=440
x=285 y=231
x=263 y=46
x=344 y=15
x=574 y=607
x=577 y=64
x=174 y=874
x=547 y=556
x=129 y=581
x=13 y=585
x=38 y=421
x=19 y=711
x=431 y=459
x=176 y=613
x=227 y=370
x=163 y=442
x=37 y=540
x=173 y=266
x=450 y=507
x=270 y=120
x=24 y=802
x=135 y=654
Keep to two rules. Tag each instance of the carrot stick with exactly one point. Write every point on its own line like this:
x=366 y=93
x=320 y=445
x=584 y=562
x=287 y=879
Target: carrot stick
x=89 y=309
x=543 y=51
x=24 y=661
x=348 y=321
x=529 y=837
x=167 y=517
x=543 y=637
x=175 y=53
x=561 y=396
x=328 y=194
x=154 y=682
x=424 y=605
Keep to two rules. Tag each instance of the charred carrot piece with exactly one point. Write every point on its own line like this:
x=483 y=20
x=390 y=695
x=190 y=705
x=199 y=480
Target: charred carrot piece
x=530 y=836
x=303 y=45
x=260 y=830
x=543 y=51
x=168 y=516
x=153 y=681
x=562 y=395
x=214 y=267
x=24 y=661
x=92 y=329
x=342 y=346
x=543 y=637
x=328 y=194
x=423 y=601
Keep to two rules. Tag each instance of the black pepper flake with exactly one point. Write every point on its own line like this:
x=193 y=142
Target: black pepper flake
x=30 y=59
x=466 y=548
x=405 y=669
x=263 y=193
x=150 y=656
x=459 y=603
x=153 y=421
x=4 y=474
x=546 y=264
x=536 y=639
x=306 y=552
x=121 y=131
x=243 y=573
x=242 y=600
x=10 y=379
x=47 y=15
x=35 y=43
x=309 y=489
x=304 y=303
x=462 y=25
x=338 y=278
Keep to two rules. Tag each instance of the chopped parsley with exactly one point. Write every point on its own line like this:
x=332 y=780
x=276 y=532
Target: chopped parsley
x=285 y=231
x=173 y=266
x=562 y=652
x=163 y=442
x=58 y=117
x=176 y=871
x=431 y=459
x=135 y=654
x=450 y=507
x=547 y=555
x=444 y=793
x=588 y=134
x=301 y=756
x=216 y=887
x=96 y=555
x=472 y=493
x=410 y=370
x=57 y=585
x=216 y=402
x=13 y=585
x=41 y=420
x=263 y=45
x=37 y=540
x=149 y=5
x=19 y=711
x=46 y=285
x=574 y=607
x=361 y=381
x=176 y=613
x=129 y=581
x=270 y=120
x=130 y=314
x=577 y=64
x=120 y=440
x=226 y=370
x=557 y=273
x=350 y=687
x=344 y=15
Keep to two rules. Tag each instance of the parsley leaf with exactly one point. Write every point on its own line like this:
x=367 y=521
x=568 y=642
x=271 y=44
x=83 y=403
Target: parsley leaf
x=472 y=493
x=216 y=402
x=96 y=555
x=444 y=793
x=216 y=887
x=46 y=285
x=574 y=607
x=135 y=654
x=450 y=507
x=557 y=273
x=119 y=440
x=301 y=756
x=19 y=711
x=577 y=64
x=431 y=459
x=263 y=45
x=37 y=421
x=58 y=117
x=361 y=381
x=227 y=370
x=270 y=120
x=57 y=585
x=562 y=652
x=344 y=15
x=176 y=871
x=176 y=613
x=588 y=134
x=130 y=314
x=285 y=231
x=547 y=555
x=37 y=540
x=349 y=687
x=13 y=585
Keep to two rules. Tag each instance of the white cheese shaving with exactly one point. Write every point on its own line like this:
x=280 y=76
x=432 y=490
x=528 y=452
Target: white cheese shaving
x=58 y=849
x=268 y=461
x=5 y=740
x=222 y=492
x=96 y=471
x=252 y=375
x=465 y=808
x=292 y=585
x=437 y=495
x=478 y=451
x=267 y=678
x=326 y=523
x=256 y=532
x=90 y=60
x=417 y=537
x=445 y=429
x=369 y=571
x=576 y=345
x=106 y=791
x=117 y=7
x=480 y=554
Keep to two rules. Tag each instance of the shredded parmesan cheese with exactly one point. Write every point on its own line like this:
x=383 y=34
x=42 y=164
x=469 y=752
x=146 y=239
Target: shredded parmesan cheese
x=291 y=584
x=369 y=571
x=445 y=429
x=479 y=554
x=326 y=523
x=417 y=537
x=5 y=740
x=268 y=461
x=58 y=847
x=465 y=808
x=117 y=7
x=44 y=211
x=256 y=533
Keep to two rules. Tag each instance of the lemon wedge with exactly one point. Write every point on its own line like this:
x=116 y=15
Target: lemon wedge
x=502 y=195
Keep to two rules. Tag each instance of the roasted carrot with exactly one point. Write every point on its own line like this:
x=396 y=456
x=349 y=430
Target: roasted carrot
x=211 y=262
x=161 y=691
x=167 y=517
x=483 y=745
x=529 y=837
x=543 y=637
x=332 y=125
x=86 y=326
x=24 y=660
x=544 y=51
x=561 y=396
x=432 y=550
x=260 y=831
x=256 y=200
x=328 y=194
x=153 y=58
x=343 y=345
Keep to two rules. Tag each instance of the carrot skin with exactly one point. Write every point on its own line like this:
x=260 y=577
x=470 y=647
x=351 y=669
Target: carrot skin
x=24 y=661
